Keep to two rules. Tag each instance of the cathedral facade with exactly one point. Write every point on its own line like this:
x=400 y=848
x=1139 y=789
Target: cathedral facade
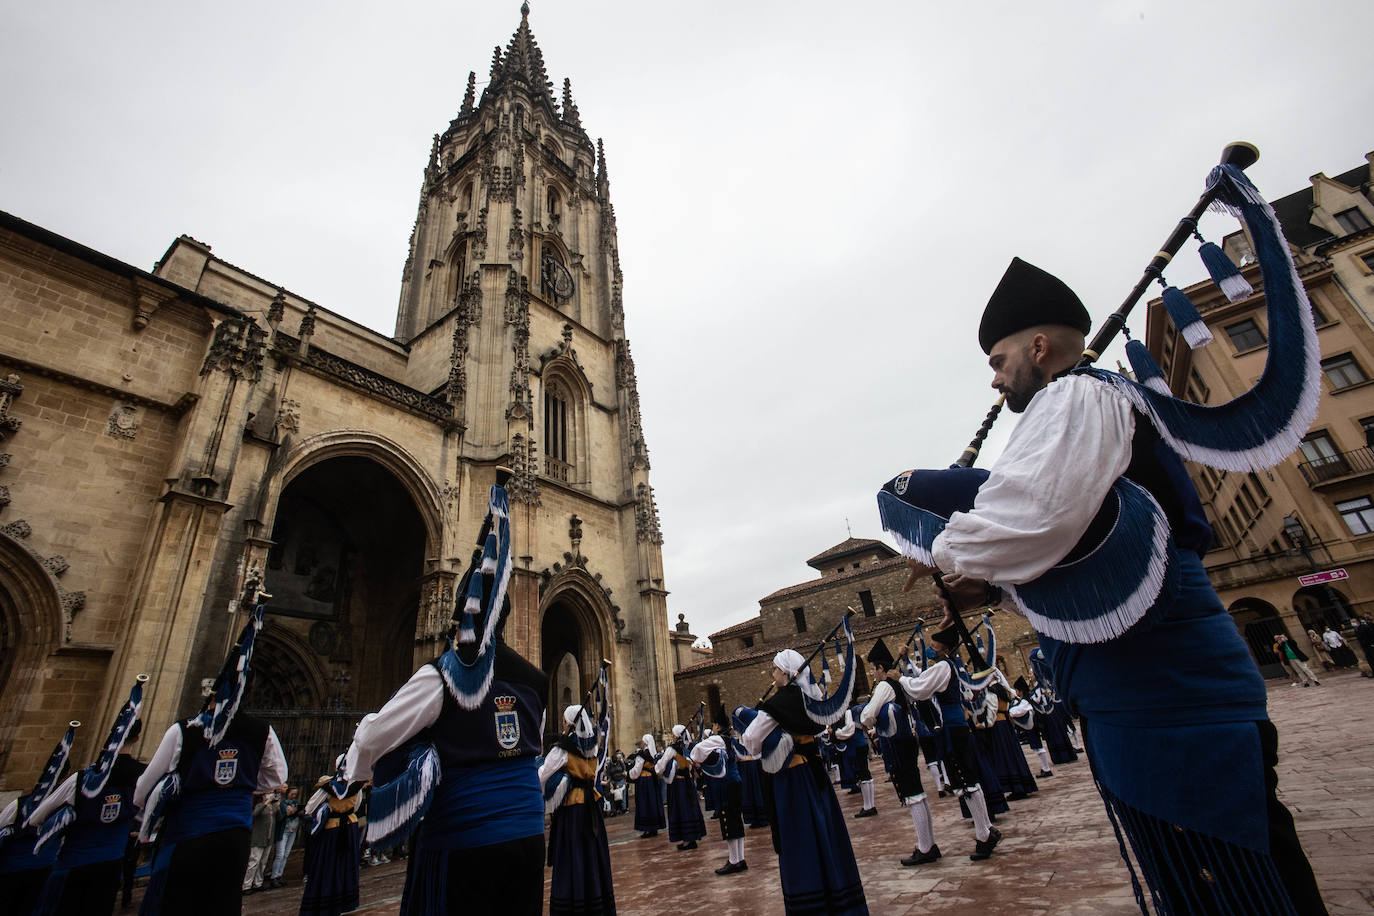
x=165 y=433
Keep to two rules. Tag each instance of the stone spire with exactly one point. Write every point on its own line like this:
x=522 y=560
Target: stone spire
x=602 y=181
x=523 y=62
x=470 y=96
x=571 y=115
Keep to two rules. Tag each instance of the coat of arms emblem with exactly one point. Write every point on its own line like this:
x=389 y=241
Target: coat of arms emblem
x=507 y=723
x=227 y=767
x=109 y=812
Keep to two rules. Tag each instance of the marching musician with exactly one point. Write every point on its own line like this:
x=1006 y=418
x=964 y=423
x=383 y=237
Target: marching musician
x=1199 y=808
x=1023 y=717
x=815 y=858
x=685 y=822
x=649 y=817
x=210 y=822
x=578 y=854
x=889 y=712
x=856 y=752
x=716 y=757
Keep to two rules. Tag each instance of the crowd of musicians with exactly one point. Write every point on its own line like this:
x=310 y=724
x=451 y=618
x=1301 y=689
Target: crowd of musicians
x=1087 y=524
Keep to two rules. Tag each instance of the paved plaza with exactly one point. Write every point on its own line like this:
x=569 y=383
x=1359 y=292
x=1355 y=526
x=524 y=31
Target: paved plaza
x=1058 y=856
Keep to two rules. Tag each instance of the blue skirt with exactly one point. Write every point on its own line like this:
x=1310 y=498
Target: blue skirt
x=1009 y=761
x=157 y=879
x=815 y=859
x=685 y=823
x=1057 y=736
x=648 y=805
x=581 y=881
x=711 y=793
x=331 y=871
x=752 y=805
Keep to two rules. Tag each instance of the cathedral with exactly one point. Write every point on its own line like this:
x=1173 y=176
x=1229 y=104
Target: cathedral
x=165 y=434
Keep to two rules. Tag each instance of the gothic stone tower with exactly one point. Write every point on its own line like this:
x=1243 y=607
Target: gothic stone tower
x=513 y=281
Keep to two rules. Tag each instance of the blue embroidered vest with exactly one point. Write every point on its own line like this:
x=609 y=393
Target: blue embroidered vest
x=217 y=784
x=102 y=823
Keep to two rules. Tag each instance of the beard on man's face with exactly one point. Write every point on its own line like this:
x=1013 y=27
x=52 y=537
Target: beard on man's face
x=1023 y=386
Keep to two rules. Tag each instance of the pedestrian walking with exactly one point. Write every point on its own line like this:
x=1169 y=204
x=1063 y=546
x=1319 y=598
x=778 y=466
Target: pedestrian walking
x=1341 y=655
x=1296 y=661
x=287 y=825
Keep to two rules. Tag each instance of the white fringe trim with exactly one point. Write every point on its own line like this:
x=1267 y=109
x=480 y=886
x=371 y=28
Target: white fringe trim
x=1236 y=288
x=1117 y=620
x=776 y=759
x=1157 y=383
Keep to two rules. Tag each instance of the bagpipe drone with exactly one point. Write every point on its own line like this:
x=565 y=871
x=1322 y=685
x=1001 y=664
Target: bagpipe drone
x=1125 y=567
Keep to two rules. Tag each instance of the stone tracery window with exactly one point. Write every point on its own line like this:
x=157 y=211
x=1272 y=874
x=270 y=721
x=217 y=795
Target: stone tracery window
x=558 y=430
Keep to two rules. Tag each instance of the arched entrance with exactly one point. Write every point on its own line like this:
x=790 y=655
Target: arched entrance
x=1259 y=622
x=344 y=572
x=571 y=646
x=30 y=621
x=1320 y=606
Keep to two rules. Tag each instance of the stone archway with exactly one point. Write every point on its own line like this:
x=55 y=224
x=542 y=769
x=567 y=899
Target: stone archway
x=347 y=557
x=30 y=627
x=1259 y=623
x=573 y=639
x=1320 y=606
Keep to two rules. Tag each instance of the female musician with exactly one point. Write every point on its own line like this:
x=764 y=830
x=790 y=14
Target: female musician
x=685 y=823
x=815 y=859
x=649 y=817
x=332 y=853
x=578 y=855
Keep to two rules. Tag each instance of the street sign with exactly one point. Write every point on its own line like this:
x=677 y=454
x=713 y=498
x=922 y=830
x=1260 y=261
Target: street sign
x=1331 y=575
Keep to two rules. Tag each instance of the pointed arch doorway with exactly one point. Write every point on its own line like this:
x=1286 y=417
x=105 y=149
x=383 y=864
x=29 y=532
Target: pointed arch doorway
x=344 y=571
x=572 y=643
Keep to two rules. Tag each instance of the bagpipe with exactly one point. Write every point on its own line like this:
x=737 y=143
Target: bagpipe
x=821 y=707
x=29 y=803
x=588 y=724
x=90 y=782
x=405 y=778
x=1125 y=567
x=221 y=706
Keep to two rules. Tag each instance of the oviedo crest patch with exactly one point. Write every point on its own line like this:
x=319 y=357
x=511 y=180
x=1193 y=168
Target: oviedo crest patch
x=507 y=722
x=900 y=484
x=227 y=767
x=109 y=812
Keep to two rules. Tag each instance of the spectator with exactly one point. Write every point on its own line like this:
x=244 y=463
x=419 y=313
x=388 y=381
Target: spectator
x=1282 y=659
x=260 y=842
x=1364 y=635
x=1296 y=661
x=1319 y=649
x=1341 y=655
x=288 y=824
x=615 y=775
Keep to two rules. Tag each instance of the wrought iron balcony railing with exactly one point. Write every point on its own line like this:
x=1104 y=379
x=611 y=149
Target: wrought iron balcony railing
x=1333 y=467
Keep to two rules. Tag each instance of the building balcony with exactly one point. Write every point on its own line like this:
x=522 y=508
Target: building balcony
x=557 y=470
x=1338 y=468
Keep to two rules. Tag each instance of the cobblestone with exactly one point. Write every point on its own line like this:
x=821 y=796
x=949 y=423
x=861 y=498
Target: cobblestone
x=1059 y=855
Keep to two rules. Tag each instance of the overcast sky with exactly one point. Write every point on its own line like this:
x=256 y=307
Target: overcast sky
x=814 y=198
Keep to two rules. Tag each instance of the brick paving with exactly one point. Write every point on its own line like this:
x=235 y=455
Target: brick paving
x=1059 y=854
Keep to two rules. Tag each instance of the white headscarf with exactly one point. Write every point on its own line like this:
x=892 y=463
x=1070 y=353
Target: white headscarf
x=649 y=743
x=678 y=730
x=584 y=727
x=791 y=663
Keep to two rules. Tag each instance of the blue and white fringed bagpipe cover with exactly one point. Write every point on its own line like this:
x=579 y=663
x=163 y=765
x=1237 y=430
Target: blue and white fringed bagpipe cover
x=826 y=710
x=484 y=596
x=157 y=804
x=396 y=807
x=91 y=781
x=1126 y=565
x=777 y=746
x=46 y=780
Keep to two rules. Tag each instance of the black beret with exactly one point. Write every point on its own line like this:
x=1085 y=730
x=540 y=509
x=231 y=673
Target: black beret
x=880 y=655
x=1027 y=297
x=948 y=637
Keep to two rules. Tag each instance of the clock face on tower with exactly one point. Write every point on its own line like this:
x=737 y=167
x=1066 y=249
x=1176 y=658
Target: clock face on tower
x=557 y=280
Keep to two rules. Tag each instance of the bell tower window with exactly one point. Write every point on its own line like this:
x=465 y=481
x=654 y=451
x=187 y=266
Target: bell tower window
x=554 y=207
x=558 y=427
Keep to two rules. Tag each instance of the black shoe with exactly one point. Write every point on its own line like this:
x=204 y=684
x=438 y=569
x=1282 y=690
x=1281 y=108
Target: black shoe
x=922 y=858
x=1017 y=796
x=689 y=845
x=943 y=793
x=648 y=835
x=867 y=812
x=983 y=848
x=732 y=868
x=1045 y=774
x=855 y=791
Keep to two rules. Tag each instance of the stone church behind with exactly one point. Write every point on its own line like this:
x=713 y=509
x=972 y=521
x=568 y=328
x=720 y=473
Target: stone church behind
x=163 y=433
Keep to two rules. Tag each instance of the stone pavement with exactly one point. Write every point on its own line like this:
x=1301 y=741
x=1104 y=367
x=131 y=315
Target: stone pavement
x=1059 y=854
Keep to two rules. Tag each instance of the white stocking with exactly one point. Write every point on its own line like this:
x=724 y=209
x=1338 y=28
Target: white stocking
x=979 y=809
x=866 y=787
x=1044 y=759
x=925 y=830
x=736 y=847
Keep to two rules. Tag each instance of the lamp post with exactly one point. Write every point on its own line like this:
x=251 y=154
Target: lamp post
x=1296 y=534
